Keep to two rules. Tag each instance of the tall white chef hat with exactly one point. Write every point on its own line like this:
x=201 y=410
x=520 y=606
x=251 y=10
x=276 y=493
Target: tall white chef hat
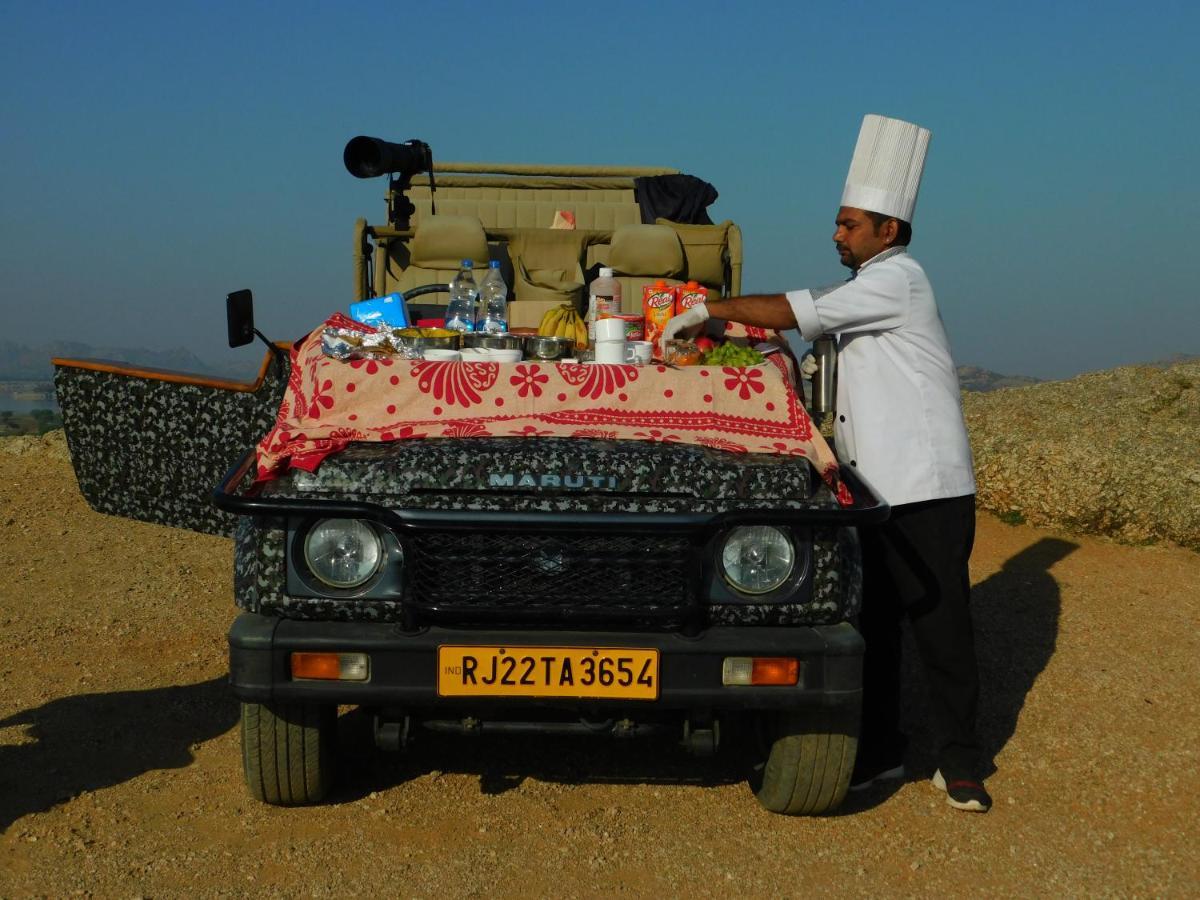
x=885 y=173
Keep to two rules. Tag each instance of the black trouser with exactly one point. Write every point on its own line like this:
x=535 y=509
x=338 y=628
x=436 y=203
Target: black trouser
x=915 y=566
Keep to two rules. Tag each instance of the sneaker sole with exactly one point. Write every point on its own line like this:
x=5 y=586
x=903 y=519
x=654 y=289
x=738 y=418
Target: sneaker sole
x=970 y=805
x=886 y=775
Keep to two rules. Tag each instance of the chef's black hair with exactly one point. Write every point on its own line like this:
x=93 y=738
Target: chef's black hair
x=903 y=233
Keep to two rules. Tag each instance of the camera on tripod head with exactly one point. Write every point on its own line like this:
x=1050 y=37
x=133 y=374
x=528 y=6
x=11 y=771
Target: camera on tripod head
x=368 y=157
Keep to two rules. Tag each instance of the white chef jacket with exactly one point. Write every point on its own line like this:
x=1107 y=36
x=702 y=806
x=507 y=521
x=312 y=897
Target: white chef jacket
x=899 y=412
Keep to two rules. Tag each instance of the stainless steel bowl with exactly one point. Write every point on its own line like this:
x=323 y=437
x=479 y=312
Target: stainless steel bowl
x=545 y=346
x=414 y=346
x=493 y=341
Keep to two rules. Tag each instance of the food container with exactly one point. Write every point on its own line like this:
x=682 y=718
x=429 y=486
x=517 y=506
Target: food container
x=493 y=341
x=688 y=295
x=546 y=346
x=683 y=353
x=635 y=327
x=658 y=305
x=413 y=342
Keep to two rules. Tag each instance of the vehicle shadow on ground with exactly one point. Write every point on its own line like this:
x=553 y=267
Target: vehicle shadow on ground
x=87 y=742
x=1016 y=613
x=502 y=762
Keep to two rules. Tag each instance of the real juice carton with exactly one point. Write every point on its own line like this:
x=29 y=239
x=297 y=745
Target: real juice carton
x=688 y=295
x=658 y=305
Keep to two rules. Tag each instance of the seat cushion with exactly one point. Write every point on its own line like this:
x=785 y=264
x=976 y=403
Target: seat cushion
x=646 y=250
x=705 y=247
x=443 y=242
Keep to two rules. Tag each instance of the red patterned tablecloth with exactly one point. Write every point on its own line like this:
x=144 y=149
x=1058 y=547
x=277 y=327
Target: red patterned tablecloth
x=330 y=403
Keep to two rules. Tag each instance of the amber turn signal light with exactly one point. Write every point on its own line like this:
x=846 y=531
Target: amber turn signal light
x=330 y=666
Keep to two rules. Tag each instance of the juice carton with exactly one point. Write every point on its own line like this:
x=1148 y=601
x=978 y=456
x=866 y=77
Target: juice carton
x=658 y=305
x=688 y=295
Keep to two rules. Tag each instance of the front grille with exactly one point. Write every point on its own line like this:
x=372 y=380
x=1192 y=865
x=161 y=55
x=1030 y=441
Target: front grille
x=559 y=576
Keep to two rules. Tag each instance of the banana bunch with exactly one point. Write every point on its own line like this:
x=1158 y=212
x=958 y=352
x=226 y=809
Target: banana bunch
x=564 y=321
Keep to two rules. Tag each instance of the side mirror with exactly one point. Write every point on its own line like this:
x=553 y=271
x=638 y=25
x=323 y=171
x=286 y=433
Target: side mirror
x=239 y=310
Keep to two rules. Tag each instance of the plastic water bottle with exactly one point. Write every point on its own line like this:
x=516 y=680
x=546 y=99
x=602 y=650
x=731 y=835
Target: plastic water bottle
x=460 y=312
x=493 y=302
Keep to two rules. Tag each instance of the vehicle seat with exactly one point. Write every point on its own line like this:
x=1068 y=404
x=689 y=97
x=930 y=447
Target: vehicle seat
x=438 y=247
x=706 y=250
x=643 y=254
x=547 y=271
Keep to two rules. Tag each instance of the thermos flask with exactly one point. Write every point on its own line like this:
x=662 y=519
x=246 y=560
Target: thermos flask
x=825 y=352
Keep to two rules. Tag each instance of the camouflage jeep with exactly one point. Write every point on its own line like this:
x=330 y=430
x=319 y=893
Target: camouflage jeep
x=593 y=598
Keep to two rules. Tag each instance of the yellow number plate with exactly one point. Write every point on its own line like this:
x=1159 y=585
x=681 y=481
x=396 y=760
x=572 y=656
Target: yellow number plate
x=586 y=672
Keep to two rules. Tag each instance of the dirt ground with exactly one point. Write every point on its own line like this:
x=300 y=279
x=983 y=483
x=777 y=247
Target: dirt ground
x=120 y=769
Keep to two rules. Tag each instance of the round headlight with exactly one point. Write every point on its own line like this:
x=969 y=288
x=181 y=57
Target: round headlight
x=757 y=558
x=343 y=553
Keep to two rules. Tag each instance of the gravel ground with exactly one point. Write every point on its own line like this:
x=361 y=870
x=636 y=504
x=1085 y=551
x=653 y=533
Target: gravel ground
x=120 y=764
x=1111 y=453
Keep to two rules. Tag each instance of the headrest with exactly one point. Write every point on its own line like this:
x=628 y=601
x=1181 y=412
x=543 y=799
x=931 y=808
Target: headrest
x=646 y=250
x=443 y=242
x=705 y=249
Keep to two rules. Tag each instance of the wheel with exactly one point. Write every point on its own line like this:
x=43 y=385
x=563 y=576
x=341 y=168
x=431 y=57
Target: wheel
x=287 y=751
x=808 y=760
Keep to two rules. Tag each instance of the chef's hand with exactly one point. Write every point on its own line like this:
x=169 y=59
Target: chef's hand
x=808 y=365
x=689 y=318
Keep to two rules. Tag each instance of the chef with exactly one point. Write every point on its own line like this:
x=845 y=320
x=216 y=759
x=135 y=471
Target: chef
x=900 y=425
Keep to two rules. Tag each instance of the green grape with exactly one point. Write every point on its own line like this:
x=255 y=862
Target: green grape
x=733 y=355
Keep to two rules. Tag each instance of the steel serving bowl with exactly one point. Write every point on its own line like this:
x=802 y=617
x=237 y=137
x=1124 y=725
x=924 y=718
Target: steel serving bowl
x=493 y=341
x=546 y=346
x=415 y=341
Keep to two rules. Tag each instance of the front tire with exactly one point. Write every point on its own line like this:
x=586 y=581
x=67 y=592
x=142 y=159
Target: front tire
x=287 y=751
x=808 y=761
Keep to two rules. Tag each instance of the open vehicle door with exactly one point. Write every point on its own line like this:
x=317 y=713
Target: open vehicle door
x=150 y=444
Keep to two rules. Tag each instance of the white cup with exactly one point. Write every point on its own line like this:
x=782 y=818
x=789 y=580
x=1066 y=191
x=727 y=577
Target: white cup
x=610 y=330
x=610 y=351
x=639 y=352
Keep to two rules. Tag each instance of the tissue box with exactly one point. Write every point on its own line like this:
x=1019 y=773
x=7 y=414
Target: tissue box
x=390 y=310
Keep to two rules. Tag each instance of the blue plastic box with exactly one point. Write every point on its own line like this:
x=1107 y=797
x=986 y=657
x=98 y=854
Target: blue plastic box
x=390 y=310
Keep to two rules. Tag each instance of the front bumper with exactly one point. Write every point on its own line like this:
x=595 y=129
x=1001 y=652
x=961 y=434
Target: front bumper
x=404 y=665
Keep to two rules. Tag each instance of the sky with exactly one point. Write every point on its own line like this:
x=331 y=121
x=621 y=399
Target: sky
x=156 y=156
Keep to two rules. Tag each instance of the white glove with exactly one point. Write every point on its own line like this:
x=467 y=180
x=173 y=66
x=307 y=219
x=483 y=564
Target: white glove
x=689 y=318
x=808 y=365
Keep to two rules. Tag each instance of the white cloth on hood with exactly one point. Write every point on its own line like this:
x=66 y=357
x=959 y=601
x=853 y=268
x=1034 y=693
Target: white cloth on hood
x=885 y=171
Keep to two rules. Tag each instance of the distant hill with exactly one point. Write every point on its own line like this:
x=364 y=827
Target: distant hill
x=973 y=378
x=1175 y=359
x=22 y=362
x=1110 y=452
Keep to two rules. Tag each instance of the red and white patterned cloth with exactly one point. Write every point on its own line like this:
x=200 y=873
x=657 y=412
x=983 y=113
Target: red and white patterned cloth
x=330 y=404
